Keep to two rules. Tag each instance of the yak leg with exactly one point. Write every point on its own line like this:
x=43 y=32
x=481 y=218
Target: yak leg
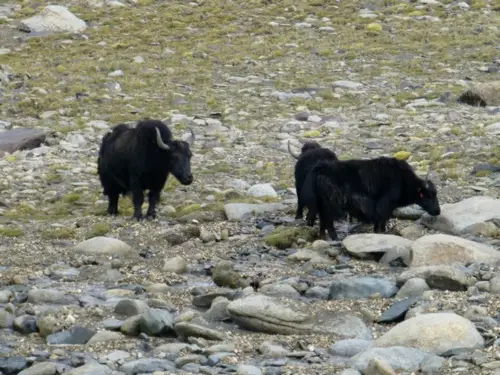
x=113 y=203
x=326 y=223
x=310 y=218
x=153 y=199
x=383 y=211
x=137 y=199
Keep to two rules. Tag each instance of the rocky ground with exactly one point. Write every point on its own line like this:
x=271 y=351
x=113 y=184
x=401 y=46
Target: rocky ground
x=223 y=281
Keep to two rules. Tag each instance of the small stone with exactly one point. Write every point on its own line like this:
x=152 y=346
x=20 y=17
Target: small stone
x=262 y=190
x=130 y=307
x=248 y=370
x=176 y=265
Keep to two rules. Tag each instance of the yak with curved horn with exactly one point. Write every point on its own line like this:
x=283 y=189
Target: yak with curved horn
x=134 y=159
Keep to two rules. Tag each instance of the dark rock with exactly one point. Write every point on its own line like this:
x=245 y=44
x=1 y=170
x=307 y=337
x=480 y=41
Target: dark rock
x=157 y=322
x=20 y=139
x=302 y=116
x=75 y=336
x=25 y=324
x=397 y=311
x=12 y=365
x=206 y=300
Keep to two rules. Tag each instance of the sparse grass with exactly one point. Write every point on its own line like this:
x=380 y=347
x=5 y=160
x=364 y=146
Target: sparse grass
x=58 y=233
x=71 y=198
x=98 y=229
x=224 y=38
x=11 y=232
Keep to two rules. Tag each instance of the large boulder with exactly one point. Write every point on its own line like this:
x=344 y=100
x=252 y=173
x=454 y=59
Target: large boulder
x=470 y=216
x=20 y=139
x=433 y=333
x=53 y=18
x=445 y=249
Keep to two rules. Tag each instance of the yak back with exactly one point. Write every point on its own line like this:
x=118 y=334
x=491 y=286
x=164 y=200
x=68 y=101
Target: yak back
x=373 y=178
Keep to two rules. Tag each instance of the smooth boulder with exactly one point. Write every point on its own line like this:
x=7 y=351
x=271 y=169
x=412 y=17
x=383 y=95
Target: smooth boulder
x=469 y=216
x=265 y=314
x=446 y=249
x=433 y=333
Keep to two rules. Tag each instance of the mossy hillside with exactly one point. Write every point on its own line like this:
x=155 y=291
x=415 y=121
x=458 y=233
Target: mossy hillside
x=227 y=35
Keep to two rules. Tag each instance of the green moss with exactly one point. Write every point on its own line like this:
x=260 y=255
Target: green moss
x=11 y=232
x=58 y=233
x=283 y=237
x=482 y=173
x=188 y=209
x=98 y=229
x=71 y=198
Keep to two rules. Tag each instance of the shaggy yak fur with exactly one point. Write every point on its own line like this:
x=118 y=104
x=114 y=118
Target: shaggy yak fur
x=141 y=158
x=311 y=154
x=368 y=190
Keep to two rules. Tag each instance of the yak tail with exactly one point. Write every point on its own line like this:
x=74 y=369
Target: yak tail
x=320 y=193
x=308 y=195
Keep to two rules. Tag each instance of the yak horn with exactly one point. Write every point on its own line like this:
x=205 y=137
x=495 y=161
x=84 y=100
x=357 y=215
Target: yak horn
x=159 y=141
x=296 y=156
x=193 y=137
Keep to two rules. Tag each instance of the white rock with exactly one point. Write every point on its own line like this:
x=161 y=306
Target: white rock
x=98 y=124
x=465 y=217
x=239 y=184
x=350 y=85
x=262 y=190
x=493 y=128
x=104 y=246
x=53 y=18
x=139 y=59
x=434 y=333
x=445 y=249
x=116 y=73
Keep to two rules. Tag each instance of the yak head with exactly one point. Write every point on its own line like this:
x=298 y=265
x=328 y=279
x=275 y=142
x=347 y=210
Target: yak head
x=307 y=146
x=179 y=157
x=427 y=197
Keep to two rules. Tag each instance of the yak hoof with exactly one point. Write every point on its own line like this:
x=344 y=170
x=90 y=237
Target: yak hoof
x=150 y=216
x=138 y=217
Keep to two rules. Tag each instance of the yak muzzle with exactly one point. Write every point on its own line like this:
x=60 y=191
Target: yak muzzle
x=435 y=211
x=188 y=180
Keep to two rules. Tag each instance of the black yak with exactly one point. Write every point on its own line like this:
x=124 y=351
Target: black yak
x=311 y=154
x=141 y=158
x=368 y=190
